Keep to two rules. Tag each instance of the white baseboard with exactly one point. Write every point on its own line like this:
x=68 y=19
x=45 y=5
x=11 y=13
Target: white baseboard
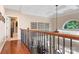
x=2 y=44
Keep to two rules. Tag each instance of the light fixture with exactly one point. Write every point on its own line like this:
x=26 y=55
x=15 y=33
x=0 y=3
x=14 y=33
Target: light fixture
x=2 y=18
x=56 y=19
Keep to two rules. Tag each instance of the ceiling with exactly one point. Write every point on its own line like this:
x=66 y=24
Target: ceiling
x=41 y=10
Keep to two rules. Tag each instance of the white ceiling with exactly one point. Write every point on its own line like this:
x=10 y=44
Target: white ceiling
x=41 y=10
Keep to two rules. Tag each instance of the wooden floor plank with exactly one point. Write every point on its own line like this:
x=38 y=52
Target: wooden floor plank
x=14 y=47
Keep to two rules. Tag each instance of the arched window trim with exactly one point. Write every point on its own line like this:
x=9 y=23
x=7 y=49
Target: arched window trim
x=69 y=21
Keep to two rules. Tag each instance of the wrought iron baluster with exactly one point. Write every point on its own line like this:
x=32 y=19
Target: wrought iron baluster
x=21 y=35
x=70 y=46
x=58 y=42
x=41 y=41
x=24 y=36
x=43 y=49
x=47 y=42
x=54 y=45
x=28 y=36
x=63 y=45
x=37 y=36
x=50 y=44
x=44 y=41
x=31 y=40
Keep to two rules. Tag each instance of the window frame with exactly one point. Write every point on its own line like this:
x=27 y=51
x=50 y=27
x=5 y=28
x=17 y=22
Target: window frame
x=68 y=22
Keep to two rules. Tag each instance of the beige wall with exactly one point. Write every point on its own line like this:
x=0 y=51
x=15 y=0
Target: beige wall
x=63 y=19
x=24 y=21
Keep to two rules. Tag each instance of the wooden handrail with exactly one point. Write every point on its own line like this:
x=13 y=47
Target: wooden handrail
x=45 y=37
x=70 y=36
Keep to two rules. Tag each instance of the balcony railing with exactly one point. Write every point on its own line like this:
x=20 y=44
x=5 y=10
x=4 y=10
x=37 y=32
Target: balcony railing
x=40 y=42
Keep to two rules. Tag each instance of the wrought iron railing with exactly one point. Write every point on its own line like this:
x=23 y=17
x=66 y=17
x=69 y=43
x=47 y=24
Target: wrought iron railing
x=40 y=42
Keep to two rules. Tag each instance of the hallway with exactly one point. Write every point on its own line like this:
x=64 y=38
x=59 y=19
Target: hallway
x=14 y=47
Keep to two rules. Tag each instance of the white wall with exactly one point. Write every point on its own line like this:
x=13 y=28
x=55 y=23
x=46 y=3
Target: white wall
x=25 y=20
x=2 y=28
x=2 y=34
x=11 y=14
x=7 y=27
x=2 y=10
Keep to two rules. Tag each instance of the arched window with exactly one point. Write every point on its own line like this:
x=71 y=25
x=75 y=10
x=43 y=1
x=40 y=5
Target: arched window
x=72 y=25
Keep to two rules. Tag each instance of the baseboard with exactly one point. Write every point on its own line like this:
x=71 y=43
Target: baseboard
x=2 y=45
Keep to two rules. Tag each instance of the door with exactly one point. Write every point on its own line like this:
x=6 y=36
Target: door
x=14 y=27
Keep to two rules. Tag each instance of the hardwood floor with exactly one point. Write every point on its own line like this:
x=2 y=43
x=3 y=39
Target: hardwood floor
x=14 y=47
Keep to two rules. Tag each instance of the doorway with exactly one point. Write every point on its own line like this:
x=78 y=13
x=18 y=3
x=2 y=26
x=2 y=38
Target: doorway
x=14 y=27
